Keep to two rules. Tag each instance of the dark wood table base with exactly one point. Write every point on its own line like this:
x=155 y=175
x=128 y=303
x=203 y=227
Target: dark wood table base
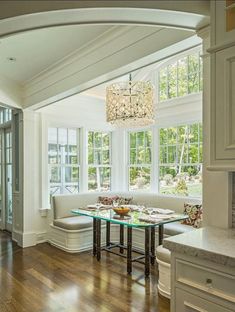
x=146 y=257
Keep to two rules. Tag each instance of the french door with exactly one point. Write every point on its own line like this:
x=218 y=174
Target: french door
x=6 y=179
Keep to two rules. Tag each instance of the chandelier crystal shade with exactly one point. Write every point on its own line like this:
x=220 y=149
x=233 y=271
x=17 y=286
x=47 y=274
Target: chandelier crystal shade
x=130 y=104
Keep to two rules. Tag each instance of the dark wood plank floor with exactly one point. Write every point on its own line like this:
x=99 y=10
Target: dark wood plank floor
x=44 y=278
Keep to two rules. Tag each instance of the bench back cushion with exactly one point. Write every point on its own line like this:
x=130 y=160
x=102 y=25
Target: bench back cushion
x=63 y=204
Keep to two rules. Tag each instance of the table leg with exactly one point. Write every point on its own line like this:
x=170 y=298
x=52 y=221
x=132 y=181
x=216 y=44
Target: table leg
x=107 y=233
x=98 y=239
x=160 y=234
x=94 y=237
x=121 y=238
x=129 y=250
x=147 y=254
x=152 y=245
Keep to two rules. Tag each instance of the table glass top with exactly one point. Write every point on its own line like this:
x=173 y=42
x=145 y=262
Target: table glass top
x=134 y=218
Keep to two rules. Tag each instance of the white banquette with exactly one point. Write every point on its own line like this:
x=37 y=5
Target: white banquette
x=74 y=233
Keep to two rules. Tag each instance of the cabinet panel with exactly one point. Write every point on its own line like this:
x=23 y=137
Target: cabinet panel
x=186 y=302
x=224 y=21
x=225 y=105
x=218 y=284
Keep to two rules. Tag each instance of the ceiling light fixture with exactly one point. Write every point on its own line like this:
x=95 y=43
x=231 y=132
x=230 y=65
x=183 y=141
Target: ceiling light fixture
x=130 y=104
x=11 y=59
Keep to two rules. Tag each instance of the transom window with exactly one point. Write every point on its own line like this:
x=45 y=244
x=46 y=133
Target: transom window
x=99 y=161
x=181 y=77
x=63 y=160
x=180 y=160
x=140 y=144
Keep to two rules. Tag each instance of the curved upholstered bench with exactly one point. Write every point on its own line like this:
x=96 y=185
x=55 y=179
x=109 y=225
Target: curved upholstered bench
x=164 y=265
x=73 y=223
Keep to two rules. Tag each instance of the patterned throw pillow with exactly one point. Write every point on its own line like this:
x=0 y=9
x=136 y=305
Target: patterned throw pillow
x=194 y=212
x=105 y=200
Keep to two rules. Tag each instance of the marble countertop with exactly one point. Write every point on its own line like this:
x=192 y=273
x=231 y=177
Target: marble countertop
x=208 y=243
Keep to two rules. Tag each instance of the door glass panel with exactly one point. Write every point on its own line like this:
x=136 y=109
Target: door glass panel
x=8 y=175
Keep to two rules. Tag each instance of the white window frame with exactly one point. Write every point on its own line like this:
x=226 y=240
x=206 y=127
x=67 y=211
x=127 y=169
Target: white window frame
x=171 y=61
x=101 y=165
x=151 y=129
x=63 y=166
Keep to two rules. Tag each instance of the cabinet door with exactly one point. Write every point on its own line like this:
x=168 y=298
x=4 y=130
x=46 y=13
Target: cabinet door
x=224 y=11
x=225 y=105
x=186 y=302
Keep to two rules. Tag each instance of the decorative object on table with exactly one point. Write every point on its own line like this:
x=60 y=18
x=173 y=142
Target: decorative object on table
x=130 y=104
x=194 y=212
x=121 y=211
x=155 y=219
x=97 y=206
x=106 y=200
x=152 y=210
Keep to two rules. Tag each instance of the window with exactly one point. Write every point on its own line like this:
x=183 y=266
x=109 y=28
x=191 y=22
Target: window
x=180 y=160
x=181 y=77
x=99 y=161
x=139 y=159
x=5 y=115
x=63 y=160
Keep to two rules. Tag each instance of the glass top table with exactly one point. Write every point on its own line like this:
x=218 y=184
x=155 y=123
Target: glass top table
x=134 y=219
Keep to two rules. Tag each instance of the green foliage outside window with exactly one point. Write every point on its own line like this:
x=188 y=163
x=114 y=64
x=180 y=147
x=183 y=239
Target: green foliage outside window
x=140 y=158
x=99 y=161
x=180 y=160
x=180 y=78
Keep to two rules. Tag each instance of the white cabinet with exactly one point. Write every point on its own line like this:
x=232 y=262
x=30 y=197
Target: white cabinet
x=201 y=286
x=222 y=132
x=186 y=302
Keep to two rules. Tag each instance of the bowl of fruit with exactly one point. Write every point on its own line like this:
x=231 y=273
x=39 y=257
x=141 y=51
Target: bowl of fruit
x=121 y=211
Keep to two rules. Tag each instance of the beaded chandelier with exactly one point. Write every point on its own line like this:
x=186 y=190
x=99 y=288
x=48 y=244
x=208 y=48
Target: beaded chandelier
x=130 y=104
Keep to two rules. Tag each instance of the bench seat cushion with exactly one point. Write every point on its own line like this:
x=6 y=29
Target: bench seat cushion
x=176 y=228
x=74 y=223
x=163 y=254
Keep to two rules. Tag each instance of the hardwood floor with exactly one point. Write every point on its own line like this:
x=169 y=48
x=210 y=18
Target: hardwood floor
x=45 y=279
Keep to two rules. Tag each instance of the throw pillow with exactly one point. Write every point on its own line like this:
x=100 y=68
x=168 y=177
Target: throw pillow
x=106 y=200
x=194 y=211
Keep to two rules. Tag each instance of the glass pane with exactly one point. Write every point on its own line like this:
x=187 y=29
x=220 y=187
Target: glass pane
x=90 y=139
x=148 y=156
x=55 y=175
x=193 y=63
x=99 y=179
x=72 y=141
x=98 y=139
x=139 y=178
x=193 y=83
x=193 y=153
x=97 y=157
x=163 y=155
x=193 y=133
x=9 y=193
x=90 y=156
x=182 y=134
x=106 y=140
x=171 y=154
x=172 y=80
x=140 y=138
x=163 y=136
x=163 y=84
x=148 y=138
x=172 y=135
x=133 y=156
x=72 y=174
x=182 y=77
x=140 y=155
x=106 y=157
x=132 y=139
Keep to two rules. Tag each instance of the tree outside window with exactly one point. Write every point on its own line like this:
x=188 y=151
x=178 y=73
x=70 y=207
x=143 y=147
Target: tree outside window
x=99 y=161
x=180 y=160
x=140 y=159
x=181 y=77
